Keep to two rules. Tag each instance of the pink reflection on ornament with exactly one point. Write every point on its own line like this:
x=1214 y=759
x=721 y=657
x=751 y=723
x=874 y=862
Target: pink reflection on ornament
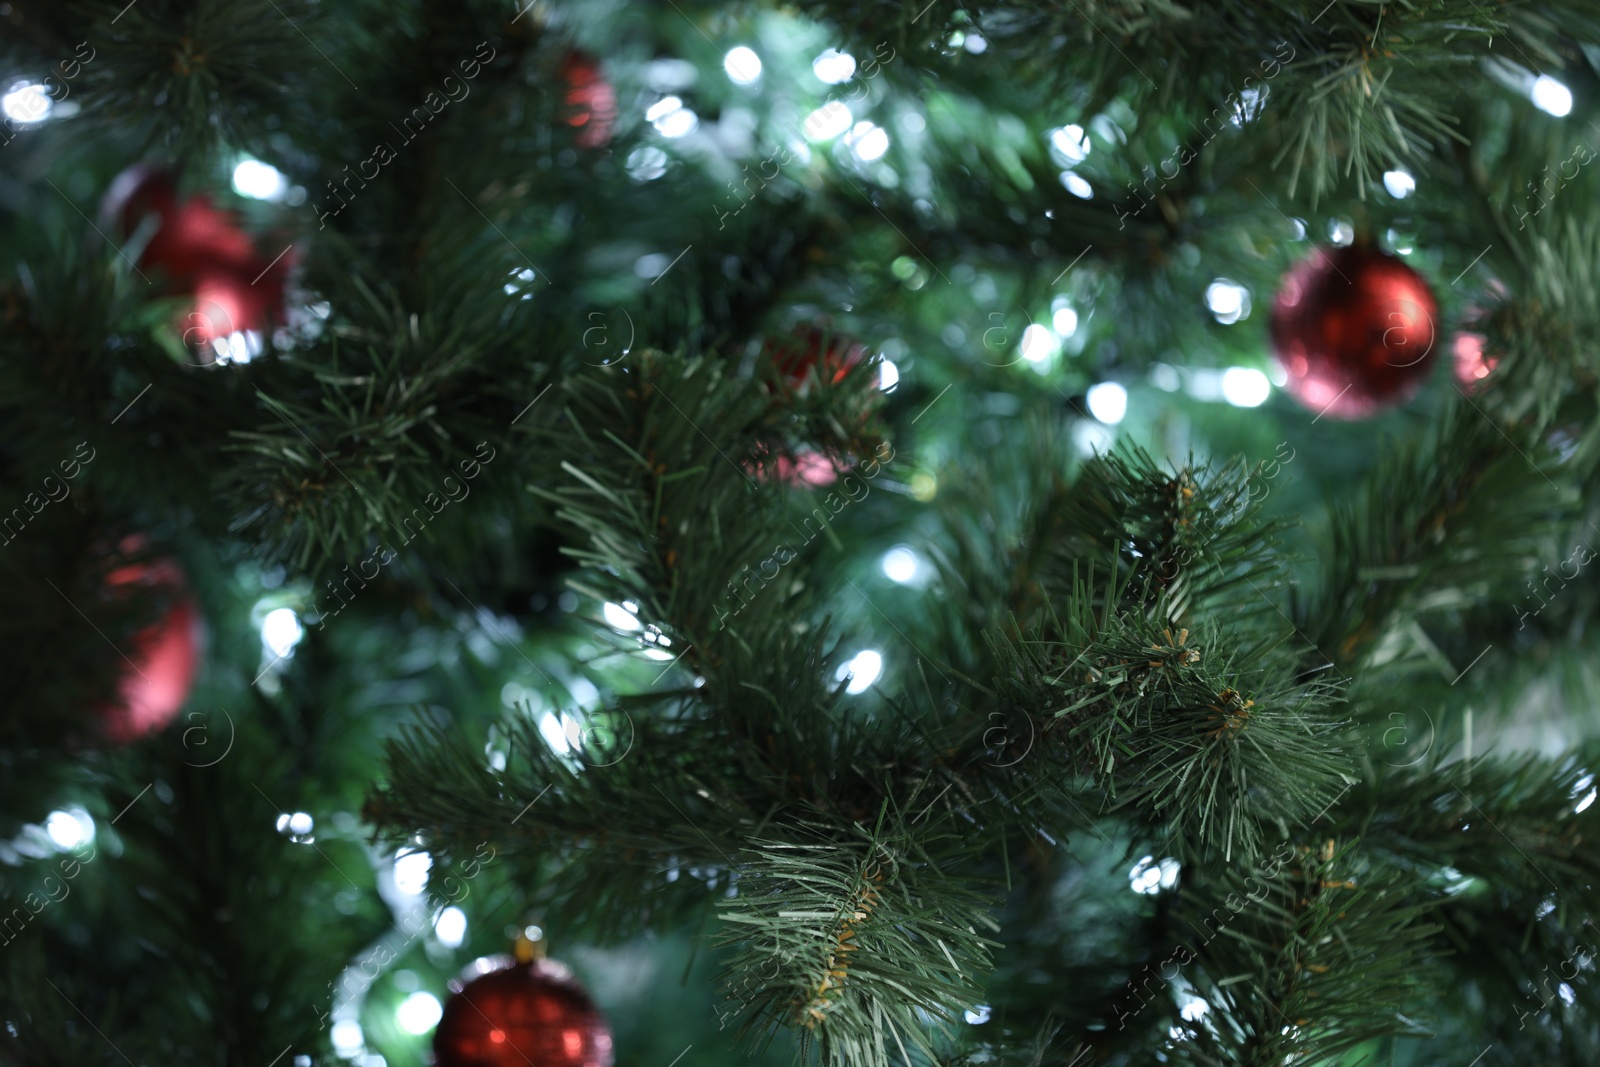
x=1472 y=366
x=806 y=470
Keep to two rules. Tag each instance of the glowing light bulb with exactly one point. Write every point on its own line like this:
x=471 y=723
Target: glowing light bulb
x=281 y=631
x=411 y=871
x=900 y=565
x=259 y=181
x=1077 y=186
x=867 y=141
x=742 y=65
x=1069 y=144
x=1039 y=343
x=621 y=617
x=1229 y=301
x=1550 y=96
x=70 y=828
x=347 y=1038
x=26 y=102
x=1245 y=387
x=863 y=670
x=1108 y=402
x=827 y=121
x=1400 y=183
x=834 y=67
x=419 y=1013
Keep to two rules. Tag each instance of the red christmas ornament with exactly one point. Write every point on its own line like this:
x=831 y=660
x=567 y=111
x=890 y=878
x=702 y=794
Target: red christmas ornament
x=163 y=657
x=522 y=1015
x=592 y=100
x=809 y=469
x=810 y=348
x=201 y=251
x=1354 y=330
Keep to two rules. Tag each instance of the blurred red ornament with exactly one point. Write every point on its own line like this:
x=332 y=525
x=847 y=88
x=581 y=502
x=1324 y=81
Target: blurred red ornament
x=199 y=250
x=522 y=1015
x=1472 y=365
x=811 y=347
x=808 y=469
x=1354 y=330
x=162 y=658
x=592 y=99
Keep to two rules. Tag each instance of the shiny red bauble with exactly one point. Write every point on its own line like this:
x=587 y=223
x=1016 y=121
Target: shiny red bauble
x=812 y=355
x=591 y=101
x=1355 y=330
x=806 y=469
x=523 y=1015
x=192 y=249
x=161 y=659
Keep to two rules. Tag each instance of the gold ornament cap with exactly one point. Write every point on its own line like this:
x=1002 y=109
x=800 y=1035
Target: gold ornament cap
x=529 y=946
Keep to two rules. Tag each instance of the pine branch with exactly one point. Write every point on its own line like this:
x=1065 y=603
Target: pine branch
x=1312 y=954
x=868 y=943
x=1425 y=526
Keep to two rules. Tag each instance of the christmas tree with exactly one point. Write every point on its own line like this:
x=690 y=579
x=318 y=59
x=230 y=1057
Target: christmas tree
x=1032 y=534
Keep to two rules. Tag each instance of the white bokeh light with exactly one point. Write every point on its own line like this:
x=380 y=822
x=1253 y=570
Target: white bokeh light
x=347 y=1038
x=828 y=121
x=680 y=123
x=1069 y=145
x=1108 y=402
x=1076 y=185
x=1400 y=183
x=1065 y=321
x=978 y=1015
x=1165 y=377
x=1039 y=343
x=69 y=828
x=560 y=732
x=26 y=102
x=451 y=927
x=418 y=1013
x=622 y=616
x=888 y=375
x=742 y=65
x=411 y=871
x=862 y=670
x=834 y=67
x=646 y=163
x=1192 y=1007
x=1341 y=232
x=1228 y=300
x=975 y=43
x=1248 y=108
x=1550 y=96
x=522 y=282
x=240 y=346
x=259 y=181
x=1245 y=387
x=1149 y=877
x=662 y=108
x=297 y=825
x=867 y=141
x=900 y=565
x=281 y=631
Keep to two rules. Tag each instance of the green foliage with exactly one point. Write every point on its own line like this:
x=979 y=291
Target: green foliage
x=1120 y=655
